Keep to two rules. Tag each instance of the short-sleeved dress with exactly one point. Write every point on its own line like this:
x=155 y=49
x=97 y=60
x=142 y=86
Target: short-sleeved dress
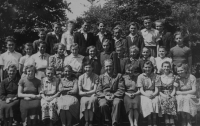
x=57 y=62
x=49 y=88
x=30 y=109
x=149 y=83
x=69 y=101
x=168 y=105
x=87 y=83
x=186 y=103
x=131 y=87
x=9 y=90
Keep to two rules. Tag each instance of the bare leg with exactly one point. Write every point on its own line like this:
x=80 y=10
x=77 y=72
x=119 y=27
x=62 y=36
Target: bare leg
x=136 y=115
x=130 y=117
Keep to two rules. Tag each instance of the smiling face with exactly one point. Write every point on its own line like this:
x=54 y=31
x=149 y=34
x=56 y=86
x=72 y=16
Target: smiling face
x=61 y=50
x=148 y=68
x=49 y=74
x=147 y=23
x=159 y=26
x=42 y=35
x=30 y=72
x=92 y=52
x=133 y=53
x=145 y=52
x=133 y=29
x=101 y=27
x=74 y=51
x=117 y=33
x=108 y=67
x=12 y=72
x=162 y=52
x=67 y=72
x=166 y=67
x=106 y=46
x=181 y=71
x=10 y=46
x=57 y=28
x=42 y=48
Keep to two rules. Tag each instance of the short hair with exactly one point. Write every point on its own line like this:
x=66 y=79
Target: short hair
x=28 y=44
x=56 y=23
x=129 y=67
x=85 y=21
x=88 y=62
x=147 y=18
x=68 y=67
x=108 y=61
x=12 y=66
x=106 y=41
x=42 y=43
x=50 y=68
x=178 y=33
x=162 y=47
x=117 y=28
x=184 y=66
x=160 y=21
x=10 y=39
x=119 y=44
x=101 y=22
x=147 y=49
x=133 y=47
x=148 y=63
x=166 y=62
x=55 y=47
x=70 y=22
x=90 y=47
x=134 y=24
x=74 y=45
x=41 y=30
x=28 y=67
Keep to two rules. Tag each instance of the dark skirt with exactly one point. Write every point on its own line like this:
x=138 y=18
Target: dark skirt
x=9 y=110
x=131 y=103
x=30 y=109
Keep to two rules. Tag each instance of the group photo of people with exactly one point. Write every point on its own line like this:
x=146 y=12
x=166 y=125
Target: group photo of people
x=120 y=63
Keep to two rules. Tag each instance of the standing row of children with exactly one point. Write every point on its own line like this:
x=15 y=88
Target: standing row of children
x=82 y=54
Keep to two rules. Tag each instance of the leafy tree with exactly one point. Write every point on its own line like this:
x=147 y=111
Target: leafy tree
x=21 y=18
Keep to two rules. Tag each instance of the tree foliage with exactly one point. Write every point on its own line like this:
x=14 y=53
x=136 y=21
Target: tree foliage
x=21 y=17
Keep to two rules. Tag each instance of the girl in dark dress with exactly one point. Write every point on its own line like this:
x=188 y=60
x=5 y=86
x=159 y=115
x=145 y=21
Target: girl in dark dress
x=9 y=103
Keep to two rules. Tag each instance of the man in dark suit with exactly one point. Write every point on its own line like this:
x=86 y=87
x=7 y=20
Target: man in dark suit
x=84 y=38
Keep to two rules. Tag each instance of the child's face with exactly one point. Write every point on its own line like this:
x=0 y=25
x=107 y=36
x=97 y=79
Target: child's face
x=159 y=26
x=179 y=39
x=92 y=52
x=57 y=28
x=28 y=50
x=108 y=67
x=101 y=27
x=117 y=33
x=133 y=29
x=30 y=72
x=147 y=23
x=166 y=67
x=12 y=72
x=42 y=48
x=106 y=46
x=67 y=72
x=162 y=52
x=133 y=53
x=88 y=69
x=181 y=72
x=60 y=50
x=10 y=46
x=119 y=51
x=42 y=35
x=145 y=53
x=74 y=51
x=147 y=68
x=49 y=74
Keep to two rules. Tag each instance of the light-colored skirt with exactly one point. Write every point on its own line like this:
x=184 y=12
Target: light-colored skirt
x=68 y=102
x=149 y=106
x=187 y=103
x=87 y=103
x=49 y=109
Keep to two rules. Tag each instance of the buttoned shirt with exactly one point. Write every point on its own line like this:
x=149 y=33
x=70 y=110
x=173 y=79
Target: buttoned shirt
x=9 y=58
x=74 y=61
x=67 y=39
x=150 y=36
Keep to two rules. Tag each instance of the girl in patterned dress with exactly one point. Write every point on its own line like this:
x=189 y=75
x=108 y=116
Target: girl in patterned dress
x=49 y=94
x=186 y=94
x=68 y=104
x=57 y=60
x=148 y=82
x=167 y=92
